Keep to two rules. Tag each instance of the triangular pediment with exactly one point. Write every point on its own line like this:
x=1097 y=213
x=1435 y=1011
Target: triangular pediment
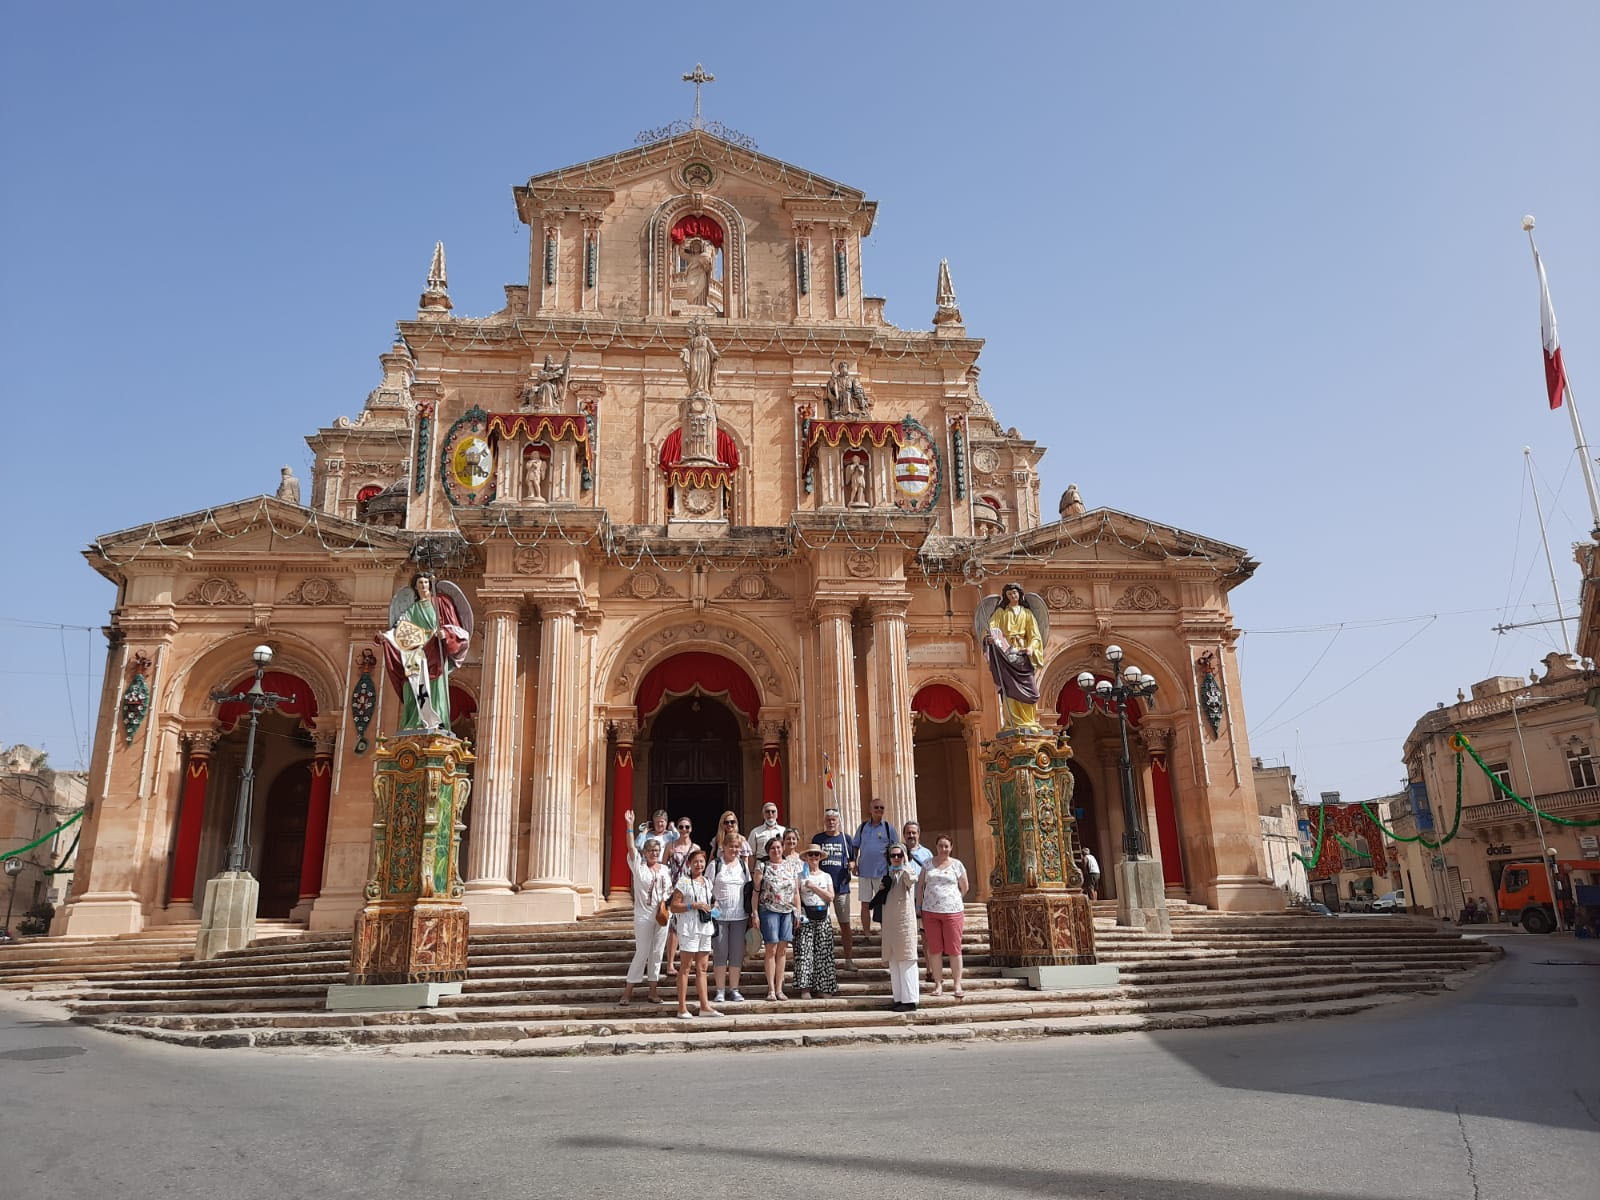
x=641 y=162
x=244 y=528
x=1106 y=536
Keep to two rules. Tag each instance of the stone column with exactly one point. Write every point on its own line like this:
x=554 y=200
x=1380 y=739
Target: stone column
x=772 y=766
x=554 y=764
x=316 y=843
x=837 y=717
x=1157 y=739
x=186 y=855
x=494 y=806
x=889 y=722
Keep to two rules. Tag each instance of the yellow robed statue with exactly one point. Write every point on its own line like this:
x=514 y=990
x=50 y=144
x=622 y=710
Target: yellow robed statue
x=1012 y=627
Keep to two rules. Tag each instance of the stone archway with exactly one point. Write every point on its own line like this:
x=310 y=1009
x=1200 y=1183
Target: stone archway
x=941 y=751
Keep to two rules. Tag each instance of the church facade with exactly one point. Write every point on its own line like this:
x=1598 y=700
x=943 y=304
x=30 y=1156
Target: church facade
x=723 y=529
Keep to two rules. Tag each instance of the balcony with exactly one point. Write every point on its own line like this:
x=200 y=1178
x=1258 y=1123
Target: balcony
x=1575 y=802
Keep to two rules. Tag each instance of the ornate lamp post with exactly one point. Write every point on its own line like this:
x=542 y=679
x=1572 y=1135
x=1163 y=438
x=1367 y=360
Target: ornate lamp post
x=13 y=869
x=1141 y=892
x=1130 y=684
x=228 y=915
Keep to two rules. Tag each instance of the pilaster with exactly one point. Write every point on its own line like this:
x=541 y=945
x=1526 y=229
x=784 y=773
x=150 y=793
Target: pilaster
x=836 y=716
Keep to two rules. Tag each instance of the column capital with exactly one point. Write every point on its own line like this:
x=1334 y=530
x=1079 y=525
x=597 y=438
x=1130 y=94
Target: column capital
x=552 y=607
x=500 y=605
x=771 y=731
x=201 y=741
x=885 y=608
x=832 y=608
x=626 y=730
x=325 y=743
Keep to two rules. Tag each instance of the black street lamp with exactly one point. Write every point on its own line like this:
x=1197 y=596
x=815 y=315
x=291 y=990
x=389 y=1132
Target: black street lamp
x=259 y=701
x=1128 y=683
x=13 y=868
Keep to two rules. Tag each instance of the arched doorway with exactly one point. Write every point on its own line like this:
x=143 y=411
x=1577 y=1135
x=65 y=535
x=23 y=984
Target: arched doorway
x=944 y=772
x=288 y=801
x=696 y=765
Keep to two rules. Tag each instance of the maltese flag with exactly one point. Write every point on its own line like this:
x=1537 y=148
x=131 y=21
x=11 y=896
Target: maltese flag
x=1555 y=375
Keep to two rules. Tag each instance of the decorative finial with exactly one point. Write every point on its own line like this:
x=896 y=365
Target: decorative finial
x=1527 y=223
x=699 y=77
x=435 y=299
x=946 y=312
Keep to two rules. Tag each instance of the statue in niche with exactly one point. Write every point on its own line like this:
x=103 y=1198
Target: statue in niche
x=855 y=481
x=535 y=471
x=699 y=363
x=288 y=486
x=847 y=399
x=1071 y=503
x=547 y=385
x=699 y=262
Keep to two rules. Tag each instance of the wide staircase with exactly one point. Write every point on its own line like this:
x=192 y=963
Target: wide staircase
x=554 y=989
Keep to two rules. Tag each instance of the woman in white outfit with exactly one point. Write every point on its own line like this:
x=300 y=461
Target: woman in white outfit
x=729 y=876
x=691 y=901
x=652 y=883
x=900 y=930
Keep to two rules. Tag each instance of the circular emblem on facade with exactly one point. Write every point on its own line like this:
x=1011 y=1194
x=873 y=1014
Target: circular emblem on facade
x=912 y=471
x=698 y=175
x=466 y=460
x=529 y=561
x=471 y=461
x=861 y=563
x=751 y=587
x=646 y=586
x=985 y=459
x=699 y=500
x=316 y=590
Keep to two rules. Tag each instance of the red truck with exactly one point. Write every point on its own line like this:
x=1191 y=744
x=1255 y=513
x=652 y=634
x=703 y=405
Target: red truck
x=1525 y=898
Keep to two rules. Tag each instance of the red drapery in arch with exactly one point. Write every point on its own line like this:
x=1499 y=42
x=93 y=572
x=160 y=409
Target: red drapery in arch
x=301 y=702
x=939 y=702
x=672 y=450
x=711 y=673
x=1074 y=702
x=697 y=225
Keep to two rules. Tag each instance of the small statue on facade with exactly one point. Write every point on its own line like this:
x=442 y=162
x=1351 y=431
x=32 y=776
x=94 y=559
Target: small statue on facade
x=1071 y=503
x=535 y=470
x=288 y=487
x=430 y=626
x=847 y=399
x=1012 y=628
x=699 y=263
x=699 y=361
x=855 y=482
x=547 y=385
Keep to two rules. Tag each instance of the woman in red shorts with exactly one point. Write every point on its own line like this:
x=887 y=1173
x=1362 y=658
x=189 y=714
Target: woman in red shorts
x=941 y=894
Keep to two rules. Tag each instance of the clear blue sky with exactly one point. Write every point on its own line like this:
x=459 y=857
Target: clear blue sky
x=1251 y=269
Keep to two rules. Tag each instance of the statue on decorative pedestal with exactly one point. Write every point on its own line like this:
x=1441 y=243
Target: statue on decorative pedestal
x=1041 y=925
x=430 y=625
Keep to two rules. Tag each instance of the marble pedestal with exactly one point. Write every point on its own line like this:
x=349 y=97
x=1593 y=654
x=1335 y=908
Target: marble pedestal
x=228 y=914
x=1039 y=919
x=1142 y=897
x=413 y=927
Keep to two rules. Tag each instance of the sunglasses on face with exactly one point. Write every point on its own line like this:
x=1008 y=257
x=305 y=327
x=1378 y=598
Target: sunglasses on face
x=730 y=821
x=685 y=828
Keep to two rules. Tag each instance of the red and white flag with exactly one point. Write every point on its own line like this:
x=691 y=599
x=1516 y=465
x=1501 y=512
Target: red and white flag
x=1555 y=375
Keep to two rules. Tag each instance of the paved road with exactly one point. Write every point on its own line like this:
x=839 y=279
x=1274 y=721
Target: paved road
x=1491 y=1093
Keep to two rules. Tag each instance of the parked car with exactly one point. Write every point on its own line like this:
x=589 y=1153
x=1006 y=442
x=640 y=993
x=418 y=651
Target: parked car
x=1358 y=904
x=1390 y=902
x=1320 y=910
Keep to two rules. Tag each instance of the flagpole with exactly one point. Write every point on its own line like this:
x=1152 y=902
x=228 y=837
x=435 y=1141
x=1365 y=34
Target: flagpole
x=1572 y=406
x=1533 y=483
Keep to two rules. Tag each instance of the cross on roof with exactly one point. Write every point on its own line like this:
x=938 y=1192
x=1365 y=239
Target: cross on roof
x=699 y=77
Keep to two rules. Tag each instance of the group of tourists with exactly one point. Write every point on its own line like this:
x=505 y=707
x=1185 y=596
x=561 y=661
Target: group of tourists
x=705 y=911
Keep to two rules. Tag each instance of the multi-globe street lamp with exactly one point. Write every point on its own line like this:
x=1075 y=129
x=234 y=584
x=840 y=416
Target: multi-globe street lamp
x=1126 y=683
x=259 y=701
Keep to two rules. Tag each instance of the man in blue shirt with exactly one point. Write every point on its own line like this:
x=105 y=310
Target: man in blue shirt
x=837 y=853
x=872 y=841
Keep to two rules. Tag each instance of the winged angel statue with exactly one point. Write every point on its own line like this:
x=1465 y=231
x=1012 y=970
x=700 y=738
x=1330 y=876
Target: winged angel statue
x=1012 y=628
x=430 y=627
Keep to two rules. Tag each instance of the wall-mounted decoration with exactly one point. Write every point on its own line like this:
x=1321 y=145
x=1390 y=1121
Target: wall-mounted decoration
x=1210 y=691
x=918 y=468
x=1142 y=598
x=135 y=697
x=424 y=427
x=363 y=699
x=316 y=591
x=958 y=458
x=215 y=591
x=752 y=585
x=466 y=460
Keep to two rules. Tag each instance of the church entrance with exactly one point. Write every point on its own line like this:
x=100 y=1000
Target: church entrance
x=944 y=773
x=696 y=763
x=283 y=841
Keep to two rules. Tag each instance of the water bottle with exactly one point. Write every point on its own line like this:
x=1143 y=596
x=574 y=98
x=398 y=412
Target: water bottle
x=716 y=912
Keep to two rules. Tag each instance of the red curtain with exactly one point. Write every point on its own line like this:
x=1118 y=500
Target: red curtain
x=186 y=856
x=711 y=673
x=316 y=828
x=772 y=778
x=1166 y=825
x=461 y=703
x=302 y=702
x=697 y=225
x=939 y=702
x=672 y=450
x=621 y=802
x=1074 y=702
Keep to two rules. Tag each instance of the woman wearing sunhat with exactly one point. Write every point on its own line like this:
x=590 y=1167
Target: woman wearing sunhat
x=813 y=935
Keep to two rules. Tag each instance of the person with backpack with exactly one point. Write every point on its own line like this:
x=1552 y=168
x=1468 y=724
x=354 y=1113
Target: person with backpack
x=872 y=841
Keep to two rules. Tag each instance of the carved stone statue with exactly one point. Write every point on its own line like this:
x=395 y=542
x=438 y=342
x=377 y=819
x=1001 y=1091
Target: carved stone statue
x=847 y=399
x=535 y=470
x=430 y=628
x=547 y=385
x=855 y=482
x=1071 y=503
x=288 y=487
x=699 y=261
x=699 y=363
x=1012 y=629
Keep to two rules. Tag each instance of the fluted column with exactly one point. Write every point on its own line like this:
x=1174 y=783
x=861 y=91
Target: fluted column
x=555 y=749
x=889 y=722
x=837 y=719
x=493 y=805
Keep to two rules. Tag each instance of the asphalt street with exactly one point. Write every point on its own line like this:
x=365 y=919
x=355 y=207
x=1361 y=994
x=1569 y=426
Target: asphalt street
x=1488 y=1093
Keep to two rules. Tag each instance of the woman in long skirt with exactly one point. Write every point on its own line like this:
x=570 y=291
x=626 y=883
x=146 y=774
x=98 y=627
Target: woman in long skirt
x=813 y=937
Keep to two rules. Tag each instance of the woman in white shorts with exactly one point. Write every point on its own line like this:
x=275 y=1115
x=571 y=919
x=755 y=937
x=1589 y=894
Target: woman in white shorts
x=691 y=904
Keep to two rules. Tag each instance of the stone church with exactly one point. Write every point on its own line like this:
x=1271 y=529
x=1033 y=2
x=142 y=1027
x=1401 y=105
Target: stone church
x=723 y=528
